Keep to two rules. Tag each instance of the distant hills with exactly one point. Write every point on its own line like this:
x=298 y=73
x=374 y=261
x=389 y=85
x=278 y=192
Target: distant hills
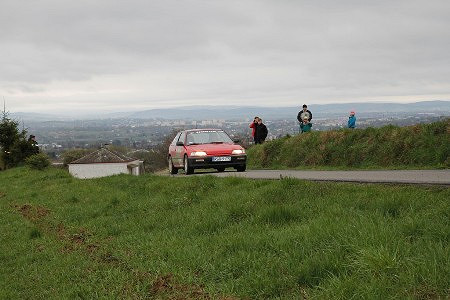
x=242 y=112
x=318 y=110
x=25 y=116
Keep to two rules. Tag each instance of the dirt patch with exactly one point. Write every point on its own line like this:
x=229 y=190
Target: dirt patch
x=162 y=283
x=167 y=286
x=91 y=248
x=67 y=249
x=109 y=258
x=32 y=213
x=2 y=194
x=77 y=238
x=24 y=209
x=303 y=293
x=61 y=231
x=425 y=292
x=76 y=241
x=71 y=242
x=80 y=237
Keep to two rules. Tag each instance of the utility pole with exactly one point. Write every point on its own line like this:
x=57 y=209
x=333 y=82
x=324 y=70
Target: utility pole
x=4 y=109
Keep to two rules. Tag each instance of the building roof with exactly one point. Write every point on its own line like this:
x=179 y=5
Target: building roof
x=103 y=155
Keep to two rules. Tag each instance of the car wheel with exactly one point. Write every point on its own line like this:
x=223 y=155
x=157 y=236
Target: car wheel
x=187 y=169
x=172 y=169
x=241 y=168
x=221 y=169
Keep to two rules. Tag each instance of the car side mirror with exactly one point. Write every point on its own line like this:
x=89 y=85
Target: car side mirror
x=236 y=141
x=180 y=144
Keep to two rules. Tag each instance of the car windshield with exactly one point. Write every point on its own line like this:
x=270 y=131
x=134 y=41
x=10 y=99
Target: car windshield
x=207 y=137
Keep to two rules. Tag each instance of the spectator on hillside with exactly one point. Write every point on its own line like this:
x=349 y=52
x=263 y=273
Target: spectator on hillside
x=33 y=144
x=305 y=125
x=260 y=132
x=253 y=127
x=352 y=120
x=304 y=113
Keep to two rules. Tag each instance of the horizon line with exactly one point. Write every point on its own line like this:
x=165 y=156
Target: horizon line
x=51 y=112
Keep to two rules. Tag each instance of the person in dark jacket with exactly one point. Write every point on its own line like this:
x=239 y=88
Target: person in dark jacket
x=304 y=113
x=34 y=148
x=260 y=132
x=352 y=120
x=253 y=127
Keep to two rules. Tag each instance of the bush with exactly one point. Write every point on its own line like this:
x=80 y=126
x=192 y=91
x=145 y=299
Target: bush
x=38 y=161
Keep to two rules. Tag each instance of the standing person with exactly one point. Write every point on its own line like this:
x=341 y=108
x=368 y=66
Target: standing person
x=352 y=120
x=260 y=132
x=253 y=127
x=305 y=125
x=304 y=113
x=34 y=145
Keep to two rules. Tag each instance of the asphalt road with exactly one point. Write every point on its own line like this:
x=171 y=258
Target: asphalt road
x=440 y=177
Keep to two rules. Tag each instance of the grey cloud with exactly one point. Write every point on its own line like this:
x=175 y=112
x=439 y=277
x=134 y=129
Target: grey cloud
x=195 y=49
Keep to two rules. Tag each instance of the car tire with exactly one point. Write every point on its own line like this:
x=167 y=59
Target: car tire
x=221 y=169
x=187 y=169
x=241 y=168
x=172 y=170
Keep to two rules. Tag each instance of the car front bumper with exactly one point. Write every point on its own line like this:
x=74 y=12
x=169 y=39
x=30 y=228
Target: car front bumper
x=206 y=162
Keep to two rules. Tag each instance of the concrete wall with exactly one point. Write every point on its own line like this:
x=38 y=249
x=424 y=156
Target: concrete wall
x=97 y=170
x=135 y=171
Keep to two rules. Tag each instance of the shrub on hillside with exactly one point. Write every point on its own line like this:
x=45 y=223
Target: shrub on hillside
x=38 y=161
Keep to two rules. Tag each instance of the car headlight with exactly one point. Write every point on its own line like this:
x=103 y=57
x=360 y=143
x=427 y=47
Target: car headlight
x=198 y=153
x=238 y=151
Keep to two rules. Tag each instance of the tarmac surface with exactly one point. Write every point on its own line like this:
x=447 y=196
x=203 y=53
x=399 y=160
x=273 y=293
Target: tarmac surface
x=434 y=177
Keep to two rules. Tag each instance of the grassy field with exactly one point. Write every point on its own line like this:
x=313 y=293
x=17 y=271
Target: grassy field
x=219 y=238
x=423 y=146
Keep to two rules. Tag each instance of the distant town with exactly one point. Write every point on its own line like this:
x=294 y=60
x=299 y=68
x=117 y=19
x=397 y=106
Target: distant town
x=54 y=137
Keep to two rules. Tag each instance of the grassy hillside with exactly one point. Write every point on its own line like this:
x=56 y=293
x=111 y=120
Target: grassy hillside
x=221 y=238
x=419 y=146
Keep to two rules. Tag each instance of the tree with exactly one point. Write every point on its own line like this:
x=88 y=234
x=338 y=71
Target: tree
x=9 y=135
x=15 y=148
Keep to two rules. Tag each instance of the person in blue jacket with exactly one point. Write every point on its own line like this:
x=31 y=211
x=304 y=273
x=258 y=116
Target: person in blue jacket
x=305 y=126
x=352 y=120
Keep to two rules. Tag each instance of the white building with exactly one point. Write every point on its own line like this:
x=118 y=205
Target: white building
x=105 y=162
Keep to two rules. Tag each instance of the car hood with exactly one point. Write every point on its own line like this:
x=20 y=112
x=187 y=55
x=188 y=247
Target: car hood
x=214 y=149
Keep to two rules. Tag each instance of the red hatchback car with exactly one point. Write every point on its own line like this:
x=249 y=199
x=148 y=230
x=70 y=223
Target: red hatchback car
x=205 y=149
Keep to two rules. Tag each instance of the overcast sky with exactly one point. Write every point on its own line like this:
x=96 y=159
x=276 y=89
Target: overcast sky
x=104 y=55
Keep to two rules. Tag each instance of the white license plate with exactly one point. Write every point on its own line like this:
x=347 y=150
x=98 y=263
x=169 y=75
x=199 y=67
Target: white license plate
x=221 y=158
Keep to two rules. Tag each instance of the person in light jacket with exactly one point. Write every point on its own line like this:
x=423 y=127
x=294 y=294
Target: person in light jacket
x=305 y=125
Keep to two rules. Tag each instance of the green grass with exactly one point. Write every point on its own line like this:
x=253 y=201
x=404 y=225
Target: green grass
x=423 y=146
x=163 y=238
